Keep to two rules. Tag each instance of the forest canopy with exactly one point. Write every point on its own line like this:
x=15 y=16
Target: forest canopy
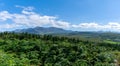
x=24 y=49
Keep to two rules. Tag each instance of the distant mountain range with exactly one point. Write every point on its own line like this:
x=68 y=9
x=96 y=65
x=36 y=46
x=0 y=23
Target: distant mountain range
x=43 y=30
x=54 y=30
x=80 y=34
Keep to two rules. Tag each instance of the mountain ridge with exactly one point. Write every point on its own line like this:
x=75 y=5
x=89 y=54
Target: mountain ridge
x=69 y=33
x=43 y=30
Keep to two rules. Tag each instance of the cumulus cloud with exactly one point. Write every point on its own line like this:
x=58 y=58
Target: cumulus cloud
x=29 y=18
x=86 y=25
x=4 y=15
x=111 y=26
x=61 y=24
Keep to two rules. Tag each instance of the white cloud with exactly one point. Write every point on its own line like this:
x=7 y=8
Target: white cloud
x=111 y=26
x=27 y=13
x=86 y=25
x=4 y=15
x=29 y=8
x=61 y=24
x=30 y=19
x=8 y=27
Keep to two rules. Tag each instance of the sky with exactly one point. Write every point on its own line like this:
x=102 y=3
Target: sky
x=77 y=15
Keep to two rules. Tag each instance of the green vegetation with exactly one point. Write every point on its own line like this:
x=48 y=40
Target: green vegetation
x=111 y=42
x=23 y=49
x=10 y=60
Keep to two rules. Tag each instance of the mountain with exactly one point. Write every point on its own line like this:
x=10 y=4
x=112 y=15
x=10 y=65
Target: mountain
x=104 y=36
x=43 y=30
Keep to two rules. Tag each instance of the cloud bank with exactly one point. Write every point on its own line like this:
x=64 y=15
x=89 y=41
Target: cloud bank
x=29 y=18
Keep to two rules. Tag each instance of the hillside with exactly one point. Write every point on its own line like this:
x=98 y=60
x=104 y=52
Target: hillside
x=23 y=49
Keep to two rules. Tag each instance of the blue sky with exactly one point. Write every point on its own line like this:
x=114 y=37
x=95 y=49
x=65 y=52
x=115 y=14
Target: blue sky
x=81 y=15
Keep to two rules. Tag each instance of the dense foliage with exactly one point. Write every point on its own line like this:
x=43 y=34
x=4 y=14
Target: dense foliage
x=23 y=49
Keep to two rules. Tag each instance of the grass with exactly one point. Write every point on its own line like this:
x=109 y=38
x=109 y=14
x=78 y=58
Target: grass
x=111 y=42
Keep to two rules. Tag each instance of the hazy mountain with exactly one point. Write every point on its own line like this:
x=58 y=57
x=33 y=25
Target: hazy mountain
x=69 y=33
x=43 y=30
